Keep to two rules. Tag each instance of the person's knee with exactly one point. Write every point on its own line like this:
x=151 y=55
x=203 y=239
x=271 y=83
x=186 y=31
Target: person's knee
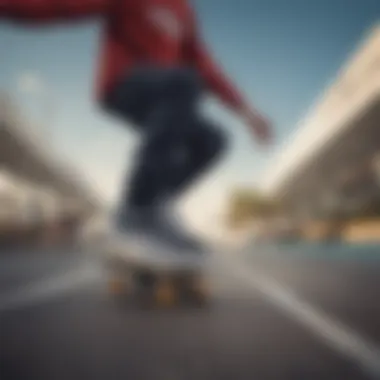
x=214 y=142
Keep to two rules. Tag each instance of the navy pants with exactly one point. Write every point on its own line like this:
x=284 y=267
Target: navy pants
x=177 y=142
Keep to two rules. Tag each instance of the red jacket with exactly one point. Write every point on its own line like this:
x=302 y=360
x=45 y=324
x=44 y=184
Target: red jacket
x=159 y=31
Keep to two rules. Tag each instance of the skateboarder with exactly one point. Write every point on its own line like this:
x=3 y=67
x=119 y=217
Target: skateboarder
x=154 y=70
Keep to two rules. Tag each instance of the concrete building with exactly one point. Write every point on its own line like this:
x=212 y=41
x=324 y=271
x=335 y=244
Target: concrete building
x=41 y=196
x=23 y=154
x=333 y=162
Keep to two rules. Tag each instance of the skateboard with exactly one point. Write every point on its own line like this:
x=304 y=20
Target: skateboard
x=158 y=279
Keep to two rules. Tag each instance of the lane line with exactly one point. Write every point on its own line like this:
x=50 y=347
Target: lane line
x=47 y=289
x=338 y=336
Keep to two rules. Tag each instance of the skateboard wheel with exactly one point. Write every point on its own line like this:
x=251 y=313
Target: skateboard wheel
x=165 y=294
x=117 y=286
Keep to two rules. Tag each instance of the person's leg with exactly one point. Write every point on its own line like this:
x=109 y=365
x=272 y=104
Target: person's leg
x=205 y=144
x=168 y=129
x=188 y=152
x=168 y=125
x=153 y=99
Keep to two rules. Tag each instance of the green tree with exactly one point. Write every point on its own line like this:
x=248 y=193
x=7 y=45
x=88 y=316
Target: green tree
x=247 y=205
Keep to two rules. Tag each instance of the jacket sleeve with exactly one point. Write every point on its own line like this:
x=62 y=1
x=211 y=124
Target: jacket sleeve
x=196 y=54
x=45 y=11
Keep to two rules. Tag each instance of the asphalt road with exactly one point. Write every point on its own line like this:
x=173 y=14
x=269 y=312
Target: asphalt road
x=272 y=317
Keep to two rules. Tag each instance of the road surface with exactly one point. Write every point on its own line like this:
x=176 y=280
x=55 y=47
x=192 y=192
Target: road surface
x=273 y=317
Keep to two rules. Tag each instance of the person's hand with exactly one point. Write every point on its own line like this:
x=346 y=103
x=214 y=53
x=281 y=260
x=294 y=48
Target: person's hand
x=259 y=125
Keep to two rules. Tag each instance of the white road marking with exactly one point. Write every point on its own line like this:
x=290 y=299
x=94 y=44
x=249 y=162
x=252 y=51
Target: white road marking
x=47 y=289
x=334 y=333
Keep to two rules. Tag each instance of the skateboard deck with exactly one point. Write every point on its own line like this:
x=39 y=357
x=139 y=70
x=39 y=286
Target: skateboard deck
x=155 y=274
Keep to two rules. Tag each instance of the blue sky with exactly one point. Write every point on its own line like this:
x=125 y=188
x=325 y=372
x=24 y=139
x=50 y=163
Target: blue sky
x=281 y=53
